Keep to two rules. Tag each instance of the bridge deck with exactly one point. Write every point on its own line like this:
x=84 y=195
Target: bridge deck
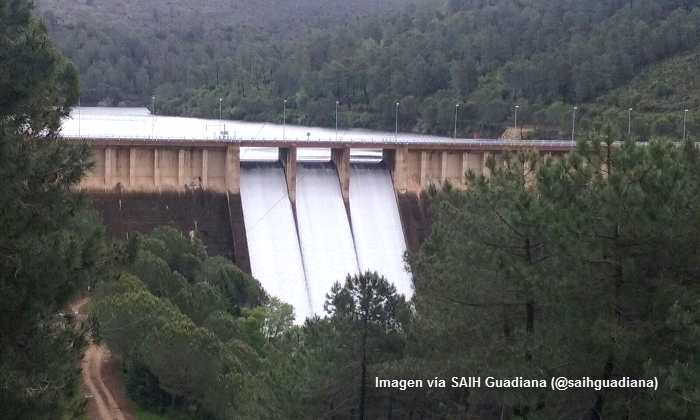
x=459 y=144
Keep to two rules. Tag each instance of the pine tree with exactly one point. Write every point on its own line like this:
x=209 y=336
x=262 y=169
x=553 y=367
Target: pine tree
x=611 y=278
x=46 y=251
x=481 y=280
x=630 y=242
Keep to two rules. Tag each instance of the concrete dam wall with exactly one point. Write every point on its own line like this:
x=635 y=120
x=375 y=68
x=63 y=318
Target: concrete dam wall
x=204 y=212
x=296 y=249
x=298 y=227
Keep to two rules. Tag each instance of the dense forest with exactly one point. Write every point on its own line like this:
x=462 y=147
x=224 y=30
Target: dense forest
x=583 y=267
x=586 y=265
x=545 y=56
x=49 y=247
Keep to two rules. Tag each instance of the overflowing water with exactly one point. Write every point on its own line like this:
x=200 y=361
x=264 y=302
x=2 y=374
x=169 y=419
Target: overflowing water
x=324 y=230
x=96 y=121
x=273 y=245
x=139 y=122
x=297 y=262
x=376 y=225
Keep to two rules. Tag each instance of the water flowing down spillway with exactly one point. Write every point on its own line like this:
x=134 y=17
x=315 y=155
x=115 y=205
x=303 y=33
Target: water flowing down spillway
x=324 y=230
x=376 y=225
x=275 y=257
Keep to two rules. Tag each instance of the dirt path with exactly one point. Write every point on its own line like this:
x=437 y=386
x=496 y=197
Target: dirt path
x=107 y=398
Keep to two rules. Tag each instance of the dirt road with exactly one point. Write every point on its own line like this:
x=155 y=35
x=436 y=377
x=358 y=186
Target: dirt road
x=103 y=387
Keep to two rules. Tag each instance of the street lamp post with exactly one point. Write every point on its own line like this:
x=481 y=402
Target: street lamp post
x=685 y=117
x=516 y=118
x=153 y=114
x=573 y=125
x=220 y=117
x=396 y=118
x=629 y=121
x=284 y=120
x=336 y=120
x=79 y=118
x=456 y=108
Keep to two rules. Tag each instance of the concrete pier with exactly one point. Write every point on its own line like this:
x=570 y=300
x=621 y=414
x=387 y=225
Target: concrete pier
x=157 y=165
x=288 y=159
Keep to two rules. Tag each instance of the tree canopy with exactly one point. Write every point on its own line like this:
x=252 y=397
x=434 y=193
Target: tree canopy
x=545 y=56
x=51 y=246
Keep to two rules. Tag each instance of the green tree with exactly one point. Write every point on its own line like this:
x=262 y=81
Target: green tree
x=605 y=289
x=484 y=274
x=184 y=357
x=371 y=317
x=44 y=261
x=630 y=245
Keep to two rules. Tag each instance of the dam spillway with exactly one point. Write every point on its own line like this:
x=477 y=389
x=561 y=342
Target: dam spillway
x=273 y=244
x=376 y=225
x=324 y=230
x=300 y=260
x=154 y=170
x=297 y=249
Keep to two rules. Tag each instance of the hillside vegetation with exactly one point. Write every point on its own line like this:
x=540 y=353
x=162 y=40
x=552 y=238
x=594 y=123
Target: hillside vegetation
x=543 y=55
x=659 y=96
x=590 y=273
x=188 y=326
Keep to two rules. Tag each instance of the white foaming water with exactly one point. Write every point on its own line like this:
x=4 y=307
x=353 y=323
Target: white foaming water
x=376 y=225
x=110 y=121
x=324 y=231
x=97 y=121
x=275 y=257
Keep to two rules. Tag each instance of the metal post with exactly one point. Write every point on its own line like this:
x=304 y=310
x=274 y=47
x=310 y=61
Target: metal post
x=456 y=108
x=153 y=115
x=284 y=120
x=396 y=118
x=685 y=117
x=79 y=136
x=516 y=119
x=573 y=125
x=220 y=117
x=336 y=120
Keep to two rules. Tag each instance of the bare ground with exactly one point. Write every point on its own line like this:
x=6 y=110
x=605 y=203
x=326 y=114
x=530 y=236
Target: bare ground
x=103 y=387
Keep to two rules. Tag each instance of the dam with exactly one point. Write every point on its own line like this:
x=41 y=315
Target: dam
x=298 y=214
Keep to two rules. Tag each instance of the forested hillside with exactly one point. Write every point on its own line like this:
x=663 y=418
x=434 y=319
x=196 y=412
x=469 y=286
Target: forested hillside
x=583 y=267
x=544 y=55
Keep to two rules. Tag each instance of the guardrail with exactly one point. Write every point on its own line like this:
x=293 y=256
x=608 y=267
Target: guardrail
x=362 y=141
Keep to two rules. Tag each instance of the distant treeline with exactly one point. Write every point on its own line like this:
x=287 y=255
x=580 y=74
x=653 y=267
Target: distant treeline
x=544 y=55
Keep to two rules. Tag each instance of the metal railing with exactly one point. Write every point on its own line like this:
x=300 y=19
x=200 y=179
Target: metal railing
x=361 y=140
